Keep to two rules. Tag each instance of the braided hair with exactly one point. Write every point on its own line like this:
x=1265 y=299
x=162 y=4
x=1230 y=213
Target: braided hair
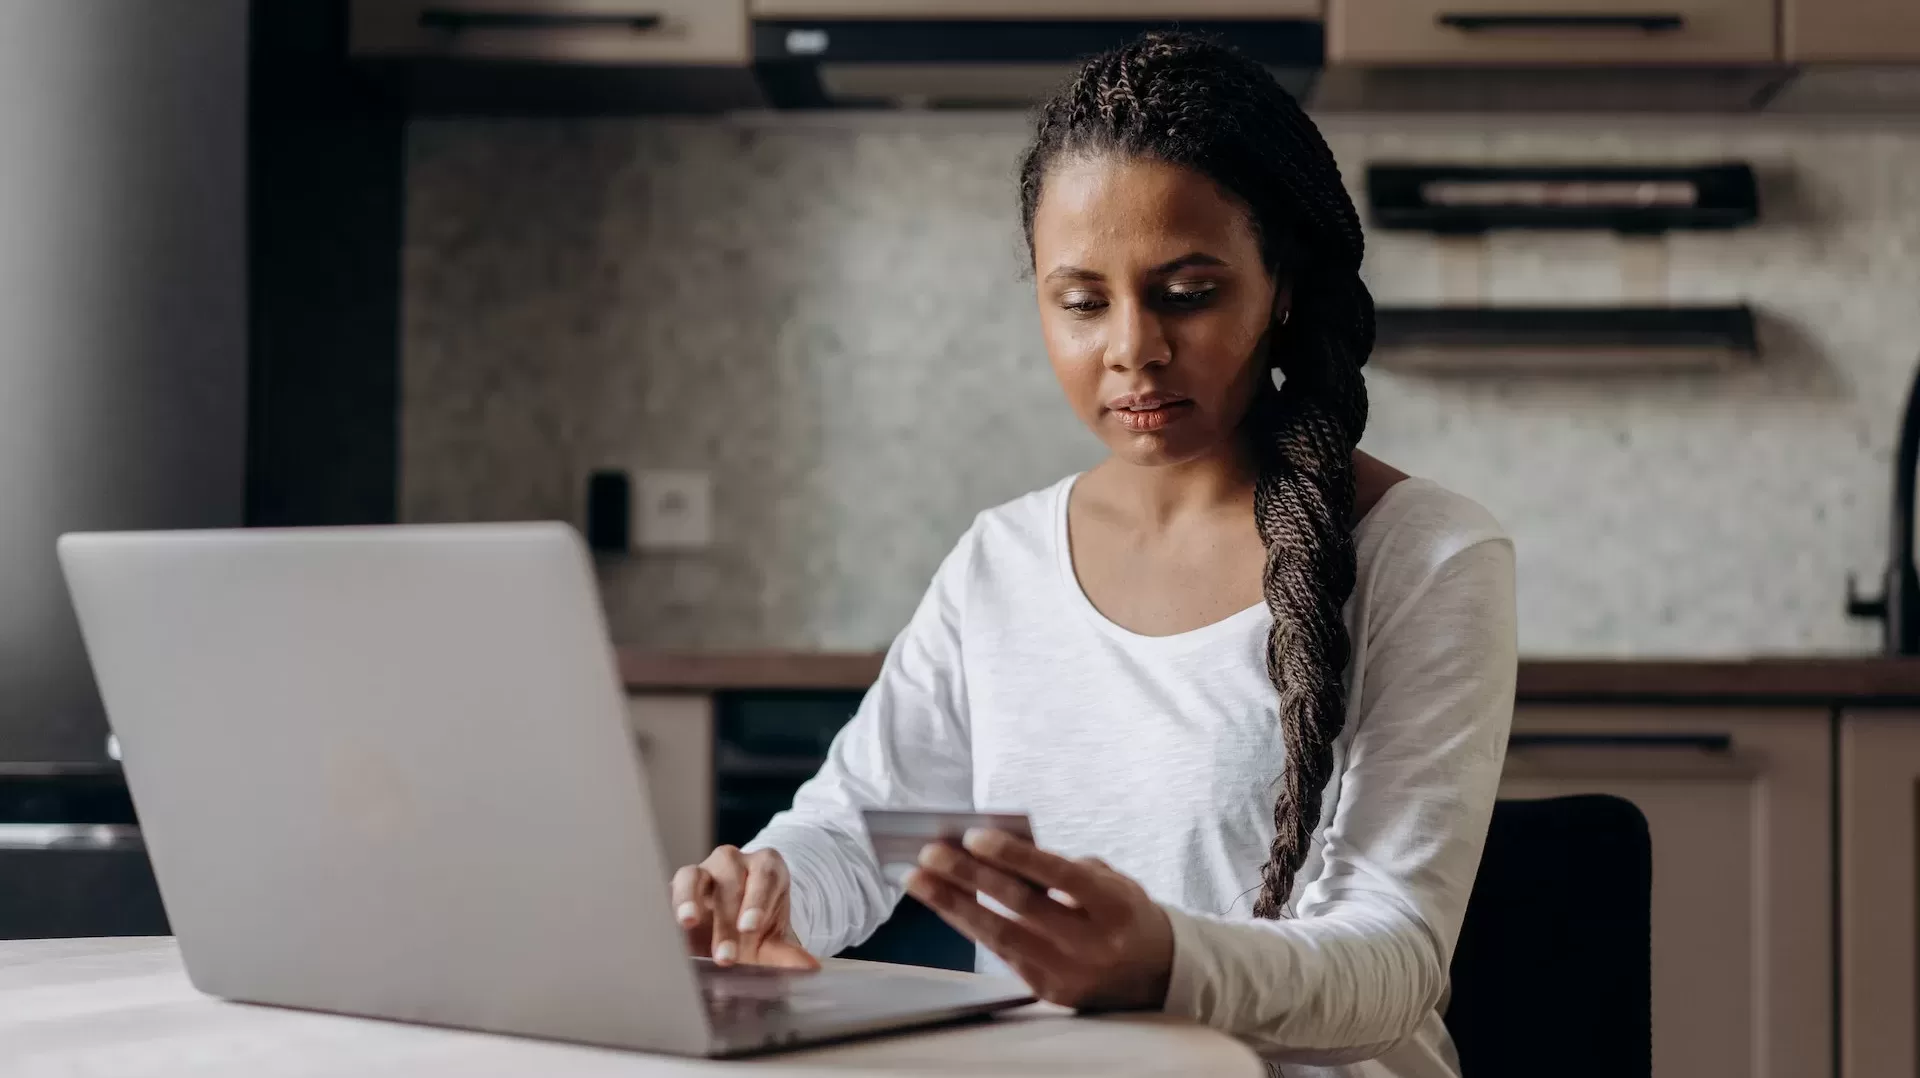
x=1187 y=101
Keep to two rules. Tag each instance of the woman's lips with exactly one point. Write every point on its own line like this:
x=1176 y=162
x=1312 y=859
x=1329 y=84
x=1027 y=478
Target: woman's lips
x=1146 y=415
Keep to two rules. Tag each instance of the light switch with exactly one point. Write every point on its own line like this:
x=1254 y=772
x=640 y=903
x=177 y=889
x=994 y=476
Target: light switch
x=674 y=510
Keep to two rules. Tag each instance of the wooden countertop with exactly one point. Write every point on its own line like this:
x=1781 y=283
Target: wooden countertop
x=1839 y=680
x=99 y=1006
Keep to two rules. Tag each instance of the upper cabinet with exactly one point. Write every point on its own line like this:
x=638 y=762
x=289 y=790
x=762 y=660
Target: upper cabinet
x=558 y=31
x=594 y=56
x=1850 y=31
x=1573 y=32
x=1035 y=9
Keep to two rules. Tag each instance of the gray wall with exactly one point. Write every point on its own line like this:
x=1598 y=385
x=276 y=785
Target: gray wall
x=831 y=317
x=122 y=313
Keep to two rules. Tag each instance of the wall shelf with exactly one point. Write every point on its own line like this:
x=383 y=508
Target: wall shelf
x=1561 y=340
x=1470 y=199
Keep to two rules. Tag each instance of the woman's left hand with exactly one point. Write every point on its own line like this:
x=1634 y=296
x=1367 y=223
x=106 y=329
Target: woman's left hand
x=1082 y=934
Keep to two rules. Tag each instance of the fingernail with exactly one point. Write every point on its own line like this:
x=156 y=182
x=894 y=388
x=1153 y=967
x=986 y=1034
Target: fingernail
x=974 y=837
x=927 y=853
x=912 y=879
x=725 y=952
x=687 y=913
x=749 y=920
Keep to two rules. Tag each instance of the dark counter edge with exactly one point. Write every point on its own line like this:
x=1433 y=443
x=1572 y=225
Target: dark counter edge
x=1863 y=680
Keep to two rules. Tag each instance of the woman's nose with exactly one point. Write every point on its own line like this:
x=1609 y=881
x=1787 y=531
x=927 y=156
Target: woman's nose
x=1136 y=339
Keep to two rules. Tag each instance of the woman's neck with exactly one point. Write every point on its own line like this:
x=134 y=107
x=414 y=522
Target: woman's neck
x=1154 y=496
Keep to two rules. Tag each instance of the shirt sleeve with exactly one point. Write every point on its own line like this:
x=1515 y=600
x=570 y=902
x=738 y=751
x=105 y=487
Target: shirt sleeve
x=1364 y=959
x=908 y=746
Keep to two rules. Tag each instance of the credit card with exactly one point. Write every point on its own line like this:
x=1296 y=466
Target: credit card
x=897 y=835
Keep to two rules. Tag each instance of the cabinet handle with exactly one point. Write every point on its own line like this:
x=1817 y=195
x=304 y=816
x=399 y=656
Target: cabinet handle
x=70 y=836
x=730 y=762
x=455 y=20
x=1476 y=22
x=1603 y=758
x=1714 y=743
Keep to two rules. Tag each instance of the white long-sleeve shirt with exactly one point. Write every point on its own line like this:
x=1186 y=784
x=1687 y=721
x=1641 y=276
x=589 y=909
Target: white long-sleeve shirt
x=1009 y=690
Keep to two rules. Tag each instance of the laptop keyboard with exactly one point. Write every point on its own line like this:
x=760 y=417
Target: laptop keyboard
x=744 y=993
x=723 y=1009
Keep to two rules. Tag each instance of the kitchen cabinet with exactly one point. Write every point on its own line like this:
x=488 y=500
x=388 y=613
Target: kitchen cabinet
x=556 y=31
x=674 y=737
x=1571 y=32
x=1879 y=893
x=1850 y=31
x=1035 y=9
x=1738 y=805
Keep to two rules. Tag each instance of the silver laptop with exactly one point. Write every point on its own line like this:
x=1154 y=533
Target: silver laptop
x=387 y=771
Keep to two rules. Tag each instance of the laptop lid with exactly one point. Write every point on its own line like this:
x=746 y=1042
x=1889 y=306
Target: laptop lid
x=387 y=771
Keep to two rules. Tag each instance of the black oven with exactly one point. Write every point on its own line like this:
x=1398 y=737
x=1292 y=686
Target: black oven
x=765 y=745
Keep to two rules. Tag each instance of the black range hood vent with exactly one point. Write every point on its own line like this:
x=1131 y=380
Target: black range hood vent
x=1465 y=199
x=1564 y=339
x=983 y=63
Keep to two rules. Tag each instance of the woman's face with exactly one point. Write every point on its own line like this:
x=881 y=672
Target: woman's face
x=1154 y=302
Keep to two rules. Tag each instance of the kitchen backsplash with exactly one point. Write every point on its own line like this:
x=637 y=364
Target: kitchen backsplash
x=831 y=317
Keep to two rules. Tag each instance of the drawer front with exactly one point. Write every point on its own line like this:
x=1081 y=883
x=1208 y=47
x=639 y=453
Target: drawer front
x=1035 y=9
x=1550 y=31
x=78 y=892
x=674 y=737
x=1879 y=894
x=555 y=31
x=1850 y=31
x=1738 y=810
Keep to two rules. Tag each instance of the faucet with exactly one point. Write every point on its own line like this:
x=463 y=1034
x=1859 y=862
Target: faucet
x=1898 y=605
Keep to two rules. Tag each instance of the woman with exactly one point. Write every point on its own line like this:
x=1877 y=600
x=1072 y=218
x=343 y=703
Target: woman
x=1252 y=685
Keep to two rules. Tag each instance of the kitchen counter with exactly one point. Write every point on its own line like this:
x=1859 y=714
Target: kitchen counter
x=1858 y=680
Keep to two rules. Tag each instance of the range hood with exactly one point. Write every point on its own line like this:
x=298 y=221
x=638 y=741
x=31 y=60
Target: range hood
x=982 y=63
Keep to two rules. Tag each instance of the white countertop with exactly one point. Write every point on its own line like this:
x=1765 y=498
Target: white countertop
x=123 y=1007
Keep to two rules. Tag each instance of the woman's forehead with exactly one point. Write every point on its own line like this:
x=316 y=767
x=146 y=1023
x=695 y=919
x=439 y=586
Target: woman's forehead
x=1106 y=204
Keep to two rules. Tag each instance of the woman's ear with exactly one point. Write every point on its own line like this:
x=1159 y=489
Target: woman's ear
x=1283 y=300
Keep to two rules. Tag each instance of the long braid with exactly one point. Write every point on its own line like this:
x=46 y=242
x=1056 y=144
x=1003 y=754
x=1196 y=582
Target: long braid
x=1190 y=102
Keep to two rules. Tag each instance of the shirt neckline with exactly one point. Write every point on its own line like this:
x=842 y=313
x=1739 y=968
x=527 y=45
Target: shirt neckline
x=1205 y=634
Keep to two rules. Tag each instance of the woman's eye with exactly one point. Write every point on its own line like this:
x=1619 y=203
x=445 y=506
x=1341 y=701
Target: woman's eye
x=1081 y=302
x=1188 y=295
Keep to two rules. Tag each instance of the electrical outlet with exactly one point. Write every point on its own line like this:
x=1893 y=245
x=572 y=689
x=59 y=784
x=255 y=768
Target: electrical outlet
x=673 y=510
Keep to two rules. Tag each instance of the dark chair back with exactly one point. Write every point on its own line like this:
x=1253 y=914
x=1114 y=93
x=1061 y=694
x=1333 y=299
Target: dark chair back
x=1553 y=970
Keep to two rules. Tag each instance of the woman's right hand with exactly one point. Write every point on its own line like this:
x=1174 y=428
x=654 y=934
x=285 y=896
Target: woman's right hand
x=734 y=908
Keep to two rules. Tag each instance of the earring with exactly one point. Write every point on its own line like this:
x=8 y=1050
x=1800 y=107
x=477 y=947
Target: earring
x=1285 y=315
